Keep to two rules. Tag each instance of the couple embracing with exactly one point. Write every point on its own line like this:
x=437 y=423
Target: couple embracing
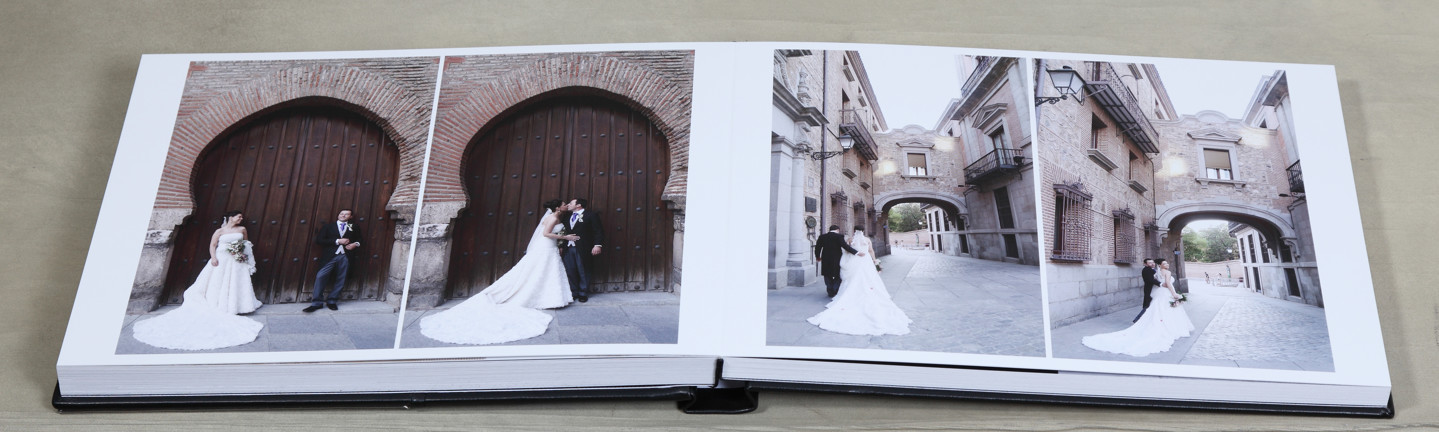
x=556 y=269
x=1159 y=323
x=861 y=304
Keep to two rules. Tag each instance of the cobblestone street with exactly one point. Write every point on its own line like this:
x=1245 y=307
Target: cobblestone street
x=963 y=305
x=629 y=317
x=1233 y=327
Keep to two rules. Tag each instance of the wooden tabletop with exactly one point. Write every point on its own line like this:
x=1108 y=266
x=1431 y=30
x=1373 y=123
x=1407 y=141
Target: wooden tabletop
x=67 y=68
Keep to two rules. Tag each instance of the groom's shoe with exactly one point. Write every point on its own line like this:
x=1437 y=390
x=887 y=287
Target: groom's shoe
x=311 y=308
x=582 y=298
x=332 y=306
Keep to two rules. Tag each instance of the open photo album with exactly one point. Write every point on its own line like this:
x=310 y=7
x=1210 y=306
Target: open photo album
x=704 y=221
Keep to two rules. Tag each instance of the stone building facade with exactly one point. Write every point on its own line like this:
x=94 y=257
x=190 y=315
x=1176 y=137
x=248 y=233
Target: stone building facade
x=995 y=176
x=944 y=231
x=222 y=100
x=820 y=98
x=1282 y=263
x=1124 y=174
x=590 y=101
x=1098 y=192
x=917 y=165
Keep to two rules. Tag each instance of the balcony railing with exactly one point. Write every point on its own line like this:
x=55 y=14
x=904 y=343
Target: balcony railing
x=853 y=123
x=980 y=70
x=1106 y=89
x=1296 y=178
x=993 y=164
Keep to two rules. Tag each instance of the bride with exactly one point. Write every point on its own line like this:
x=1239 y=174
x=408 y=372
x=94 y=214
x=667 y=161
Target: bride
x=1156 y=330
x=505 y=311
x=207 y=319
x=863 y=306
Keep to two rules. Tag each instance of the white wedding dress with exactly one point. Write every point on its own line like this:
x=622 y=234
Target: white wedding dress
x=207 y=319
x=505 y=311
x=863 y=305
x=1155 y=331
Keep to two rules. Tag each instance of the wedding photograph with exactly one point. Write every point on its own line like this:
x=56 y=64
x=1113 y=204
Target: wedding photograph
x=554 y=202
x=288 y=192
x=1177 y=226
x=911 y=227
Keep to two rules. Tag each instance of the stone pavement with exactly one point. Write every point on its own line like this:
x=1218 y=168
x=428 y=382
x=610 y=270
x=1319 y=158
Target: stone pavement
x=1233 y=327
x=627 y=317
x=357 y=325
x=963 y=305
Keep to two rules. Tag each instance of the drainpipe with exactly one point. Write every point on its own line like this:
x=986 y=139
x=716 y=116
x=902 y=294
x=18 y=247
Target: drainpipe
x=823 y=138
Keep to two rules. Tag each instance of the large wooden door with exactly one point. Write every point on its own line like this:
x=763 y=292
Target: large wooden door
x=290 y=171
x=562 y=148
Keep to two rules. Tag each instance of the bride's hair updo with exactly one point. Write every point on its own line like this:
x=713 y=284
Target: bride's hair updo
x=858 y=228
x=551 y=205
x=230 y=214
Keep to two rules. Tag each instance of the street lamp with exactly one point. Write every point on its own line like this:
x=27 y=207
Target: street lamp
x=1065 y=80
x=846 y=142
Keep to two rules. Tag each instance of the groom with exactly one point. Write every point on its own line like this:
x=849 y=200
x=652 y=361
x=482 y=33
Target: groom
x=828 y=249
x=1149 y=283
x=579 y=255
x=344 y=238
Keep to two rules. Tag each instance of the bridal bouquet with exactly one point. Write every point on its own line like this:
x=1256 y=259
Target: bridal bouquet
x=237 y=249
x=561 y=243
x=1182 y=298
x=877 y=266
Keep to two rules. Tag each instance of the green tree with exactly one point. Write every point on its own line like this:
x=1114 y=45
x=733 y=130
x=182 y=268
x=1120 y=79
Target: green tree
x=1217 y=241
x=906 y=218
x=1194 y=245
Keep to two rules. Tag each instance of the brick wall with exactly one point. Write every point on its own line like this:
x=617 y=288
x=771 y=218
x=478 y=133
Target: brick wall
x=395 y=93
x=477 y=89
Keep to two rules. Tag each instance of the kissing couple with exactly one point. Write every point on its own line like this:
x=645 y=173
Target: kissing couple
x=557 y=268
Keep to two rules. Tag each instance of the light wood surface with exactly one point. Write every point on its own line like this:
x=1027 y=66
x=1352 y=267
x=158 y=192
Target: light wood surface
x=67 y=67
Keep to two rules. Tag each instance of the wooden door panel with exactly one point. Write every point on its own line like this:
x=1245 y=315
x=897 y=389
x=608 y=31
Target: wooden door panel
x=561 y=148
x=289 y=171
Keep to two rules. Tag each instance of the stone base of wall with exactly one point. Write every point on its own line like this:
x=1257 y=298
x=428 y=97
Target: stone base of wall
x=1080 y=292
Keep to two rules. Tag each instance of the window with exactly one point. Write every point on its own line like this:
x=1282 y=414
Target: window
x=918 y=164
x=1252 y=258
x=1096 y=126
x=1257 y=287
x=1072 y=223
x=999 y=139
x=1001 y=203
x=1123 y=237
x=1293 y=279
x=963 y=244
x=1216 y=165
x=939 y=243
x=1133 y=160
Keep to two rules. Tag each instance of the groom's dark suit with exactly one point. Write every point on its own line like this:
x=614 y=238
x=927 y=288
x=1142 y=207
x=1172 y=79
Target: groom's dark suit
x=334 y=261
x=828 y=249
x=1149 y=283
x=578 y=259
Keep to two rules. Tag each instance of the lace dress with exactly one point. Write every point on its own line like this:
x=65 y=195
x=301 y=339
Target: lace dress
x=207 y=319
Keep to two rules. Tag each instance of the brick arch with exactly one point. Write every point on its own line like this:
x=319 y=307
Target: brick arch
x=380 y=99
x=663 y=101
